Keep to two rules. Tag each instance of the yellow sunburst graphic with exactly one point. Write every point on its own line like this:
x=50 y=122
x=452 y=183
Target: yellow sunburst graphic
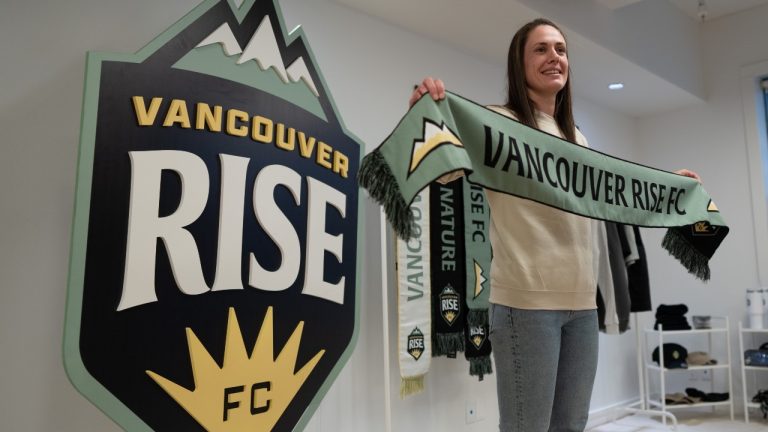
x=250 y=392
x=477 y=340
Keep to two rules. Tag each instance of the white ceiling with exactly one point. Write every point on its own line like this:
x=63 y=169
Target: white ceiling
x=716 y=8
x=593 y=66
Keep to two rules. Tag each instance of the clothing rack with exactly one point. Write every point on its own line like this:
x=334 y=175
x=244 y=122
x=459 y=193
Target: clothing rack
x=642 y=407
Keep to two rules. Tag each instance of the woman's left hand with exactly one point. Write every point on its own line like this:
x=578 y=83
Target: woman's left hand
x=689 y=173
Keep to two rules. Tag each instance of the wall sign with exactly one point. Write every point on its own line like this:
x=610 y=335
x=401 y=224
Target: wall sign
x=214 y=266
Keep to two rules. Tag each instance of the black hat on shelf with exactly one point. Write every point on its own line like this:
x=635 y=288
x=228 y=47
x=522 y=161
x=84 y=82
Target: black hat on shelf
x=674 y=356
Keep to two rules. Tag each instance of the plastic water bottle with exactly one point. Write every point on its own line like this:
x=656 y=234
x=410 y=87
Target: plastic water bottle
x=755 y=308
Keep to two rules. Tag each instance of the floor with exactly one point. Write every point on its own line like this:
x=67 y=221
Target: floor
x=686 y=422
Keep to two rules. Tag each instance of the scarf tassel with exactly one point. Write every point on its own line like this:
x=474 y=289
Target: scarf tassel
x=411 y=385
x=677 y=246
x=480 y=366
x=376 y=176
x=447 y=343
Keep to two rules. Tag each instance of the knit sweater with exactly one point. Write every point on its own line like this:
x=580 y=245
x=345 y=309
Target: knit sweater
x=542 y=256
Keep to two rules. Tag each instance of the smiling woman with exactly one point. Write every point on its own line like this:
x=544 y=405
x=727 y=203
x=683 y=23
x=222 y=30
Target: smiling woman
x=543 y=322
x=546 y=66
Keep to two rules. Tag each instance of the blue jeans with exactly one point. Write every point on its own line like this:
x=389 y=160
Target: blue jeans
x=545 y=367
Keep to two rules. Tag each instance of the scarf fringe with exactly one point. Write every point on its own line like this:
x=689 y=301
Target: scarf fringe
x=477 y=317
x=480 y=366
x=376 y=176
x=696 y=263
x=446 y=343
x=411 y=385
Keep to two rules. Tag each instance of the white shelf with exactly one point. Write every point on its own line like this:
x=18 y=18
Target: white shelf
x=688 y=332
x=744 y=367
x=719 y=332
x=749 y=330
x=694 y=405
x=654 y=366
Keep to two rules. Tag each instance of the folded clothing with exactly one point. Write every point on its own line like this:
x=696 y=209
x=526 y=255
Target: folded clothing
x=706 y=397
x=762 y=398
x=672 y=317
x=671 y=310
x=679 y=399
x=673 y=325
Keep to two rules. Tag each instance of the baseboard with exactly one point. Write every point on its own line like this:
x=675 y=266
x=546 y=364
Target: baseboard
x=609 y=413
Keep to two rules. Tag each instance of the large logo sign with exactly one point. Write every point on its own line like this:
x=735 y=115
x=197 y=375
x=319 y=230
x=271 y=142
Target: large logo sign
x=214 y=268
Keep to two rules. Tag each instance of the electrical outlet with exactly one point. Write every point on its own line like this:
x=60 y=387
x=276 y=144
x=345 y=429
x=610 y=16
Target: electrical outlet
x=470 y=411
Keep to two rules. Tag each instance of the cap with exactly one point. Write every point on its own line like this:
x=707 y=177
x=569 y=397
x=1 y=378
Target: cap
x=699 y=358
x=674 y=356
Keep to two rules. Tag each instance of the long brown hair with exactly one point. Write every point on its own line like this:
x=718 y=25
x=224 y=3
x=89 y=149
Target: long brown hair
x=517 y=89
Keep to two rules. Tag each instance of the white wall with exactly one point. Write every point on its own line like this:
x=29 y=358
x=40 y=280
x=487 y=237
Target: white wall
x=655 y=35
x=710 y=138
x=369 y=67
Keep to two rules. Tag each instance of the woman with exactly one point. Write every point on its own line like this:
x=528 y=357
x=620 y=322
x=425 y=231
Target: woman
x=543 y=318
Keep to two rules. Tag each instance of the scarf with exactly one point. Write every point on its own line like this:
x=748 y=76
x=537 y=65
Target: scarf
x=478 y=252
x=447 y=267
x=478 y=267
x=413 y=300
x=496 y=152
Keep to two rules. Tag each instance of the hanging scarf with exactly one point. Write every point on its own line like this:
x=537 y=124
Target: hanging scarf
x=478 y=350
x=478 y=252
x=478 y=267
x=496 y=152
x=413 y=300
x=447 y=268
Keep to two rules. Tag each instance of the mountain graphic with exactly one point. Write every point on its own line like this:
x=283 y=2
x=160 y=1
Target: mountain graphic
x=260 y=64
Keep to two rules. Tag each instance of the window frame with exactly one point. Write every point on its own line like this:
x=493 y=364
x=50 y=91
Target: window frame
x=756 y=138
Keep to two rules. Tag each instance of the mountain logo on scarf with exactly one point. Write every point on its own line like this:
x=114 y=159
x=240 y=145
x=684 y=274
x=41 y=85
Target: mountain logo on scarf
x=479 y=279
x=477 y=335
x=449 y=304
x=433 y=137
x=416 y=343
x=214 y=273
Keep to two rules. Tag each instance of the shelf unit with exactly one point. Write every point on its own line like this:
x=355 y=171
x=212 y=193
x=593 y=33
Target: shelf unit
x=660 y=337
x=744 y=368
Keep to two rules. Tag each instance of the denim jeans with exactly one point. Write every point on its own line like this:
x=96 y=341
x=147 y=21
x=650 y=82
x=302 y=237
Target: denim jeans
x=545 y=367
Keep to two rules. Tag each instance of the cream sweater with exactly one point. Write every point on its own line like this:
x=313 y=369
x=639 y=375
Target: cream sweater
x=542 y=256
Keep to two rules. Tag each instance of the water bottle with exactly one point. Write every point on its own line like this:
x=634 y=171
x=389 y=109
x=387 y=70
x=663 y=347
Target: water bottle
x=755 y=308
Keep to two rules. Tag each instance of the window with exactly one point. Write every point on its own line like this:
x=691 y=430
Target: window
x=754 y=94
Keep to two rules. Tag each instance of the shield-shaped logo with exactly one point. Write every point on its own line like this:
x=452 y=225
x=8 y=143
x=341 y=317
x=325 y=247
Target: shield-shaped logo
x=449 y=304
x=477 y=336
x=416 y=343
x=703 y=228
x=214 y=270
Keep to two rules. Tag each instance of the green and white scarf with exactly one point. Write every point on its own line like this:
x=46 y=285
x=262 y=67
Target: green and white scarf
x=498 y=153
x=413 y=300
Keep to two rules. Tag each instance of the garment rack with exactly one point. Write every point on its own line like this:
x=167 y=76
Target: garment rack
x=641 y=407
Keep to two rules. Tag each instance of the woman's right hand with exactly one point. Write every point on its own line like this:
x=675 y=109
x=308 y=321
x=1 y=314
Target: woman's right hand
x=435 y=88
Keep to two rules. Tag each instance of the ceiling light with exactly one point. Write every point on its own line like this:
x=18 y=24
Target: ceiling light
x=616 y=86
